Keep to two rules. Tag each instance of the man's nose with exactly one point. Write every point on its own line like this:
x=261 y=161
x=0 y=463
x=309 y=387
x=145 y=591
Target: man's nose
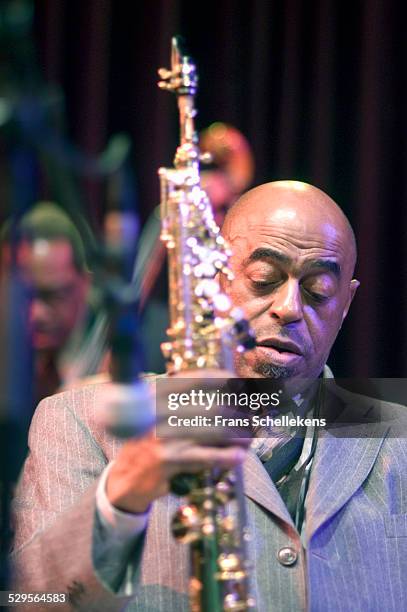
x=39 y=310
x=286 y=304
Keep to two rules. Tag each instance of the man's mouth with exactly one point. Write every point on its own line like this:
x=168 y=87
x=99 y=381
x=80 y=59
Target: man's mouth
x=280 y=345
x=280 y=352
x=44 y=331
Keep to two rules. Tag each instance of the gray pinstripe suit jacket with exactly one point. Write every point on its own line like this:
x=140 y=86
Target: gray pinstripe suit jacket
x=356 y=523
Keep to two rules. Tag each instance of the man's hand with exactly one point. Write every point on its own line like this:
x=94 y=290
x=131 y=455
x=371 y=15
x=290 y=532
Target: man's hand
x=144 y=467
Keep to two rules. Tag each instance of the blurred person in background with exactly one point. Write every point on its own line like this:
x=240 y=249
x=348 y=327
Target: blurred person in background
x=231 y=170
x=50 y=255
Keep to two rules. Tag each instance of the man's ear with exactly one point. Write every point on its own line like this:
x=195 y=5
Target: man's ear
x=354 y=284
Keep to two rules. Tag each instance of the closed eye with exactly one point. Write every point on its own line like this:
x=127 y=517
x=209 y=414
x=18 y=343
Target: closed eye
x=261 y=283
x=263 y=286
x=316 y=297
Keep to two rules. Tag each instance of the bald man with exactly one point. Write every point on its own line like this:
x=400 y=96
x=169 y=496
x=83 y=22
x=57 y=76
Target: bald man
x=328 y=527
x=293 y=257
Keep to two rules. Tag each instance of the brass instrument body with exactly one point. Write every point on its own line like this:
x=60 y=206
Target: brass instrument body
x=196 y=251
x=204 y=332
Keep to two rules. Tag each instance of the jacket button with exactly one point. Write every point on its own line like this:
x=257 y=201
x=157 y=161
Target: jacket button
x=287 y=556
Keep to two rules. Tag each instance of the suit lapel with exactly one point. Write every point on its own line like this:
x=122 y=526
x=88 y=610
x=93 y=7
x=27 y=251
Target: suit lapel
x=340 y=466
x=261 y=489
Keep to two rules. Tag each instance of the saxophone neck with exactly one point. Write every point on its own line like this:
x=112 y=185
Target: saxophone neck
x=182 y=80
x=187 y=154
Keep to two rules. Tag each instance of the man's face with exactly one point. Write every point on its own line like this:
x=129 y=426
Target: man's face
x=293 y=279
x=59 y=291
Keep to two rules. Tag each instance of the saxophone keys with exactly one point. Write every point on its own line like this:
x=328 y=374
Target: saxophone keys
x=233 y=602
x=230 y=568
x=186 y=524
x=164 y=73
x=206 y=158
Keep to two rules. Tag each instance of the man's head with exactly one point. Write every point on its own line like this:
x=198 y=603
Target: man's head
x=293 y=259
x=50 y=255
x=233 y=166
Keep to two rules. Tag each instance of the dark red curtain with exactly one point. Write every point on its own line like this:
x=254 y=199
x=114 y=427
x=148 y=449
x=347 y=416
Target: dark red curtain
x=317 y=86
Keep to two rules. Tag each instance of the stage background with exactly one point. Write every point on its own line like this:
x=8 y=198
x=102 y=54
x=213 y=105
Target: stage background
x=318 y=88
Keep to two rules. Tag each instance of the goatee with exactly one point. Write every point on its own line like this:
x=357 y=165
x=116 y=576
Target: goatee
x=268 y=370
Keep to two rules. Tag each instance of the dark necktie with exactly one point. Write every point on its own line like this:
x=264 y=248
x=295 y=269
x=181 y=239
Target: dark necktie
x=280 y=468
x=285 y=457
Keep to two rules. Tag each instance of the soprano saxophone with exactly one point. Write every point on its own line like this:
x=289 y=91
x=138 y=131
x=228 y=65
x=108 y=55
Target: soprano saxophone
x=204 y=331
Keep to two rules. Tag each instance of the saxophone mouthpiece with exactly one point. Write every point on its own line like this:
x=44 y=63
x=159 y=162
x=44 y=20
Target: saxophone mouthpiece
x=181 y=78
